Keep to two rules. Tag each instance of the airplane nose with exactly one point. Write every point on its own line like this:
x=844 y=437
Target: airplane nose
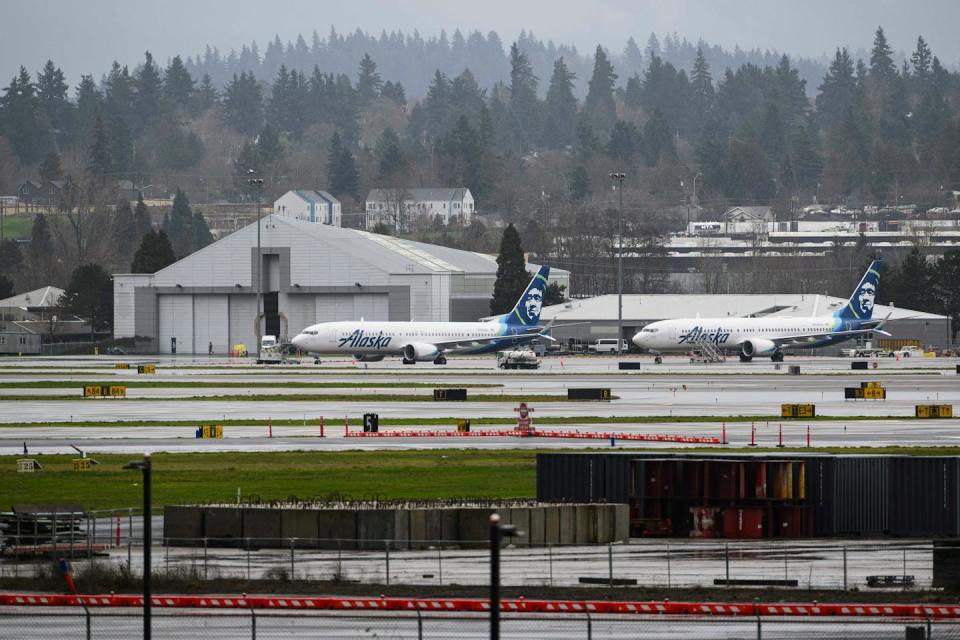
x=297 y=341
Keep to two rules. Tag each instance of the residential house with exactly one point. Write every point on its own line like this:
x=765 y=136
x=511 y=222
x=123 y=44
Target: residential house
x=311 y=206
x=402 y=207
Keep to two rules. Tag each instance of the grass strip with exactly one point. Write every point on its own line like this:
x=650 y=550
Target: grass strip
x=297 y=397
x=431 y=474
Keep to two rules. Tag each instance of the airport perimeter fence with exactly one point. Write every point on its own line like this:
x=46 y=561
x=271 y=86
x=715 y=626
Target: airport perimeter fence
x=60 y=624
x=115 y=545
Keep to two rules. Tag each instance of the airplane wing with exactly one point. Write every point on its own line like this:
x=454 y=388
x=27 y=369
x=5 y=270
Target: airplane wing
x=473 y=343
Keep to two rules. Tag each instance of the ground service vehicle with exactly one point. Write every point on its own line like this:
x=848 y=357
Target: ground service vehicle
x=517 y=359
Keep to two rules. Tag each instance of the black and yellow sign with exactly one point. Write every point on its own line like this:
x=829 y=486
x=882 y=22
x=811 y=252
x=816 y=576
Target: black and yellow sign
x=104 y=390
x=798 y=410
x=865 y=393
x=122 y=365
x=210 y=431
x=588 y=394
x=871 y=385
x=82 y=464
x=146 y=368
x=463 y=426
x=449 y=394
x=934 y=411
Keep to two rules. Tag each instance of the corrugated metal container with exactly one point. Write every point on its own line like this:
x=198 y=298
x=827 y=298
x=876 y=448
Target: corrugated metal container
x=861 y=496
x=582 y=478
x=925 y=495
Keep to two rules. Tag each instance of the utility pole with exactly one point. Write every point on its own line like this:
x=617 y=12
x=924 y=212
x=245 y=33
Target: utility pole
x=257 y=183
x=145 y=467
x=497 y=532
x=619 y=178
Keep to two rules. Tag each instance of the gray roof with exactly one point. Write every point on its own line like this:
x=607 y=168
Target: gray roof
x=42 y=297
x=652 y=307
x=419 y=195
x=317 y=197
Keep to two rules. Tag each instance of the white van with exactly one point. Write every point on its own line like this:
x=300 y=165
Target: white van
x=608 y=345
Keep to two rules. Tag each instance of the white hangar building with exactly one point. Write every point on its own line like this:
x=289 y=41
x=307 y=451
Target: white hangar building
x=310 y=273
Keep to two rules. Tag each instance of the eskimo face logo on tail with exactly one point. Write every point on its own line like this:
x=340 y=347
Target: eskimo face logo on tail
x=866 y=296
x=533 y=303
x=359 y=340
x=716 y=336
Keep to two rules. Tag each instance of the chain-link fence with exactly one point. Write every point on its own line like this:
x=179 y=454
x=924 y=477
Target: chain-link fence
x=820 y=564
x=60 y=624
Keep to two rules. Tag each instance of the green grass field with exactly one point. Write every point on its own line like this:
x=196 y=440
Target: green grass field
x=203 y=384
x=209 y=477
x=293 y=397
x=17 y=226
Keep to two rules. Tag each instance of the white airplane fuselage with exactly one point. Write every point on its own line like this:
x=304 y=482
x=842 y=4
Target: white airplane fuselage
x=728 y=333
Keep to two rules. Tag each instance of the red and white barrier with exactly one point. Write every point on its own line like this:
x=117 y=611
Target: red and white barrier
x=532 y=433
x=718 y=609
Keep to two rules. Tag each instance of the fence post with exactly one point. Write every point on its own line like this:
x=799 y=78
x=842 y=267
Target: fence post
x=726 y=559
x=86 y=614
x=440 y=562
x=386 y=544
x=293 y=570
x=87 y=522
x=929 y=625
x=610 y=562
x=785 y=565
x=54 y=534
x=589 y=627
x=550 y=560
x=253 y=624
x=668 y=566
x=844 y=567
x=166 y=555
x=204 y=558
x=129 y=556
x=248 y=557
x=419 y=626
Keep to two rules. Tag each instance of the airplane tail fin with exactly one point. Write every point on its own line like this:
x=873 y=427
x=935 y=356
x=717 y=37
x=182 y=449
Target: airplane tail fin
x=861 y=302
x=527 y=310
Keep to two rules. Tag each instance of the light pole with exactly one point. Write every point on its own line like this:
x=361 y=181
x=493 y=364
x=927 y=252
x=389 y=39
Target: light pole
x=619 y=178
x=144 y=466
x=257 y=183
x=497 y=531
x=695 y=203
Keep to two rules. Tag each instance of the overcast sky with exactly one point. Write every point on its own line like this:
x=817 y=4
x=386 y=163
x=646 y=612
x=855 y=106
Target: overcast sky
x=86 y=36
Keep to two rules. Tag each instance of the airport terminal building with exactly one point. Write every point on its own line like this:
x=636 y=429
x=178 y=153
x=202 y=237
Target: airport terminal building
x=310 y=273
x=595 y=318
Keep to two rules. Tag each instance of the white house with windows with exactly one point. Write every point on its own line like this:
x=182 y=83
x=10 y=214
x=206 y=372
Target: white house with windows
x=384 y=205
x=310 y=206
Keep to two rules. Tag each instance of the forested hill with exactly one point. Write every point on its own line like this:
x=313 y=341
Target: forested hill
x=412 y=59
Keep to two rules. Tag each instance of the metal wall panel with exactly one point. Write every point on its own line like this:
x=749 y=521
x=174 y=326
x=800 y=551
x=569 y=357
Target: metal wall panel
x=582 y=478
x=924 y=495
x=242 y=314
x=211 y=321
x=176 y=321
x=861 y=496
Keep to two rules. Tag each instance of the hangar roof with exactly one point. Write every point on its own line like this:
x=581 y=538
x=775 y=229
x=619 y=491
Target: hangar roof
x=652 y=307
x=42 y=297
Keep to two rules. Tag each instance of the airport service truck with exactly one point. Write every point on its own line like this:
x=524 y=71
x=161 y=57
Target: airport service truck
x=271 y=351
x=518 y=359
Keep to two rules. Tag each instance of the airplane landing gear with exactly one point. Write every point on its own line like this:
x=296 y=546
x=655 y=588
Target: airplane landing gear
x=745 y=358
x=658 y=359
x=440 y=360
x=316 y=361
x=777 y=356
x=405 y=361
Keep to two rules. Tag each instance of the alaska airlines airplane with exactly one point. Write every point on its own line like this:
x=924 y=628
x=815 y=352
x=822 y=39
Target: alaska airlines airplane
x=770 y=336
x=431 y=341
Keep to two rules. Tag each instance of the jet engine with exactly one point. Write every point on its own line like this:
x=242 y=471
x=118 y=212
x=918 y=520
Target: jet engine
x=759 y=347
x=368 y=357
x=420 y=352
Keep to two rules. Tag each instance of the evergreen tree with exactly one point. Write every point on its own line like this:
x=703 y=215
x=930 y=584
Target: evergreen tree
x=369 y=82
x=11 y=260
x=206 y=94
x=512 y=276
x=243 y=104
x=342 y=173
x=201 y=232
x=394 y=92
x=838 y=91
x=50 y=168
x=268 y=146
x=578 y=184
x=946 y=275
x=90 y=296
x=40 y=252
x=123 y=228
x=623 y=142
x=599 y=107
x=560 y=109
x=141 y=217
x=6 y=287
x=101 y=162
x=701 y=85
x=153 y=254
x=178 y=86
x=657 y=138
x=22 y=122
x=149 y=92
x=392 y=163
x=178 y=224
x=524 y=106
x=881 y=57
x=913 y=283
x=57 y=109
x=921 y=60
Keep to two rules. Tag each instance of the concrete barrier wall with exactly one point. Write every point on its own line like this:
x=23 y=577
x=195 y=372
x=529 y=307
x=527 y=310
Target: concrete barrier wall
x=369 y=529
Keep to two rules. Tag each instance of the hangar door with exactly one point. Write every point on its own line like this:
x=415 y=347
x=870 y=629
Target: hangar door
x=176 y=321
x=353 y=306
x=211 y=323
